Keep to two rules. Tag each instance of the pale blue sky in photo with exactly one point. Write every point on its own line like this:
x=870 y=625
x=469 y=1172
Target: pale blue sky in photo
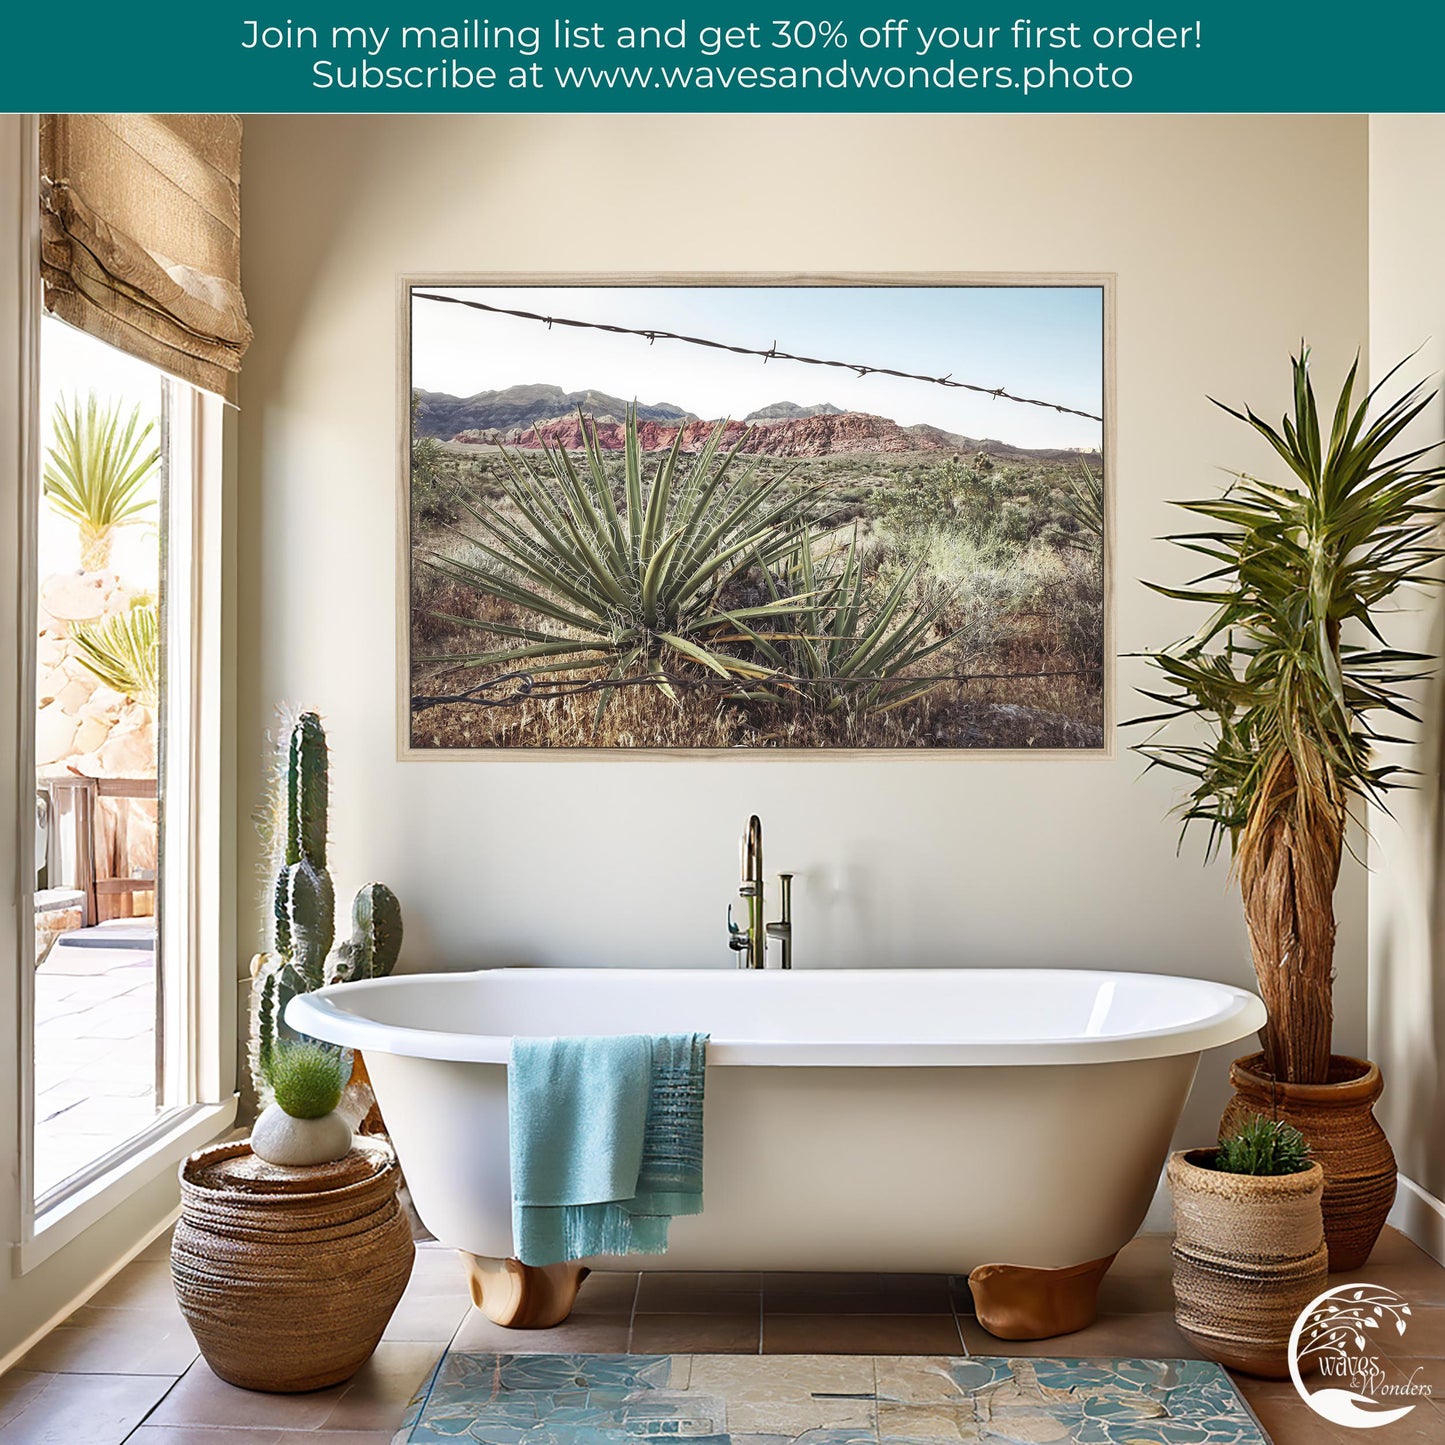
x=1042 y=341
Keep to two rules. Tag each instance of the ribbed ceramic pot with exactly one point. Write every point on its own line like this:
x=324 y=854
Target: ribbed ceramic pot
x=1337 y=1118
x=1249 y=1255
x=288 y=1276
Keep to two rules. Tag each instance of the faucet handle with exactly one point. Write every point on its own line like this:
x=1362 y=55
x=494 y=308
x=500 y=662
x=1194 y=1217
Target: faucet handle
x=737 y=937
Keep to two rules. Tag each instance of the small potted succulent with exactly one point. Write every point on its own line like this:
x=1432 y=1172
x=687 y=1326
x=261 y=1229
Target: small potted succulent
x=1249 y=1243
x=301 y=1125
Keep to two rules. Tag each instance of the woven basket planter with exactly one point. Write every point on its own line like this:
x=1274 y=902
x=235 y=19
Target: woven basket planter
x=1345 y=1139
x=287 y=1277
x=1249 y=1255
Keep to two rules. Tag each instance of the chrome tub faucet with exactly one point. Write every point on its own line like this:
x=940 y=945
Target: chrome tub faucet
x=751 y=943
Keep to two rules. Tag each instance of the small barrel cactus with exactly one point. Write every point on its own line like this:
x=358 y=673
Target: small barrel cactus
x=375 y=942
x=306 y=1078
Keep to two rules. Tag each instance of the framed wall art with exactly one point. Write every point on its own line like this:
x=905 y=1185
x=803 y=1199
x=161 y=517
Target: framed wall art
x=708 y=513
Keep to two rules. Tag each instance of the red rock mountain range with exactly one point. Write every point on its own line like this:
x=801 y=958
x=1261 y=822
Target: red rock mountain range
x=808 y=436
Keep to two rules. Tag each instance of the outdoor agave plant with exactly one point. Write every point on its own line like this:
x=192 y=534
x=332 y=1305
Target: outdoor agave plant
x=630 y=586
x=123 y=651
x=843 y=646
x=96 y=470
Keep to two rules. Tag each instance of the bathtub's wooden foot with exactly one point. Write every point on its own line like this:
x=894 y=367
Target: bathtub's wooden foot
x=1015 y=1302
x=522 y=1296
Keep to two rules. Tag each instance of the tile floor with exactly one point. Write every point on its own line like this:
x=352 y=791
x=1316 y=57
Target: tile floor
x=125 y=1369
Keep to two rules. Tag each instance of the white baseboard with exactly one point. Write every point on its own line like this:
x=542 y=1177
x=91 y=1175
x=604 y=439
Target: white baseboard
x=1420 y=1217
x=93 y=1287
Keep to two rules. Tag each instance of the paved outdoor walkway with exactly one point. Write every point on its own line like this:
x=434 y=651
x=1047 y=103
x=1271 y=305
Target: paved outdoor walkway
x=94 y=1055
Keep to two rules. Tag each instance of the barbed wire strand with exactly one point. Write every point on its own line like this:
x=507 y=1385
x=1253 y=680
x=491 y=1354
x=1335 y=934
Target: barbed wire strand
x=651 y=334
x=527 y=689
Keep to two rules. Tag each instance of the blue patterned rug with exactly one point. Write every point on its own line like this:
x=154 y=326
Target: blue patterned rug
x=825 y=1400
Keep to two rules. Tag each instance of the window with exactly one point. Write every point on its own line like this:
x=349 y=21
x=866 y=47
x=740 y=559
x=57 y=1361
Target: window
x=114 y=1045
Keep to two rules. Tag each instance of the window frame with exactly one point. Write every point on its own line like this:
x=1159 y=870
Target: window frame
x=193 y=941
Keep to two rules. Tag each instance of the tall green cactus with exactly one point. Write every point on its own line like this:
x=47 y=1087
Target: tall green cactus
x=308 y=788
x=375 y=942
x=303 y=904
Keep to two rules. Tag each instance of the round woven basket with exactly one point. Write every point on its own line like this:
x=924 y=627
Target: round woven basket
x=287 y=1277
x=1249 y=1255
x=1345 y=1139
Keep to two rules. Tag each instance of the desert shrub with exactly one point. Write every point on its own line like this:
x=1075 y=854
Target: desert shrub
x=1014 y=523
x=1076 y=612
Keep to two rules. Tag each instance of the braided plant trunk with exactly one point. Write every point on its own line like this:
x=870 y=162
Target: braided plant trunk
x=1289 y=862
x=95 y=547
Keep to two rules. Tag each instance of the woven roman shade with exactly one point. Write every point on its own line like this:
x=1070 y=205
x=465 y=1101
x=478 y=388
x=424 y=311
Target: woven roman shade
x=141 y=238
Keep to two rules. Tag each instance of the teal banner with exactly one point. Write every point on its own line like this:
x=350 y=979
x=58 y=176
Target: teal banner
x=729 y=55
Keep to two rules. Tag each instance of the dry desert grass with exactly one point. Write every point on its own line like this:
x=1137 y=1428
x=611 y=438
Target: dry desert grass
x=1024 y=624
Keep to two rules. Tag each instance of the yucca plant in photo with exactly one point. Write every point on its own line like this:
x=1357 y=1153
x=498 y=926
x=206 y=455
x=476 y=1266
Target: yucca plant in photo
x=631 y=586
x=96 y=470
x=1291 y=680
x=1084 y=503
x=123 y=651
x=840 y=644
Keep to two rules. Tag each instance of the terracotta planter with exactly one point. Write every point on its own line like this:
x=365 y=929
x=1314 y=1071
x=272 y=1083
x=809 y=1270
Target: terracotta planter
x=287 y=1277
x=1337 y=1119
x=373 y=1123
x=1249 y=1255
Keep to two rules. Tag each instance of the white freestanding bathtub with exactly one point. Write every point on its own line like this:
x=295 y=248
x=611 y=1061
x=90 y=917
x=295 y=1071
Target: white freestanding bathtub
x=892 y=1119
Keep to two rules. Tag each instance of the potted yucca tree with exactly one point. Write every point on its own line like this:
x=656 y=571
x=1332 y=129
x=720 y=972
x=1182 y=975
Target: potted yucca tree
x=1282 y=695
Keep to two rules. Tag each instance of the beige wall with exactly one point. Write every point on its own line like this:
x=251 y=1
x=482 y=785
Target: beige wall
x=1407 y=884
x=1213 y=226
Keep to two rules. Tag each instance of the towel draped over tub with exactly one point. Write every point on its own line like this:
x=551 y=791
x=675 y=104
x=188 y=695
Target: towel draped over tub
x=606 y=1142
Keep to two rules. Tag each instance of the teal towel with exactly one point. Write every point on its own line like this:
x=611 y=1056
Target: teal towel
x=606 y=1142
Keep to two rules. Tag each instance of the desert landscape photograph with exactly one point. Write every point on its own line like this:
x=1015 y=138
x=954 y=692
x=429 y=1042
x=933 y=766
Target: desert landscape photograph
x=864 y=516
